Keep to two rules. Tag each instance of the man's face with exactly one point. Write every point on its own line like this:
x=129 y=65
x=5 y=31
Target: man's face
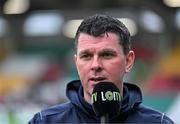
x=101 y=59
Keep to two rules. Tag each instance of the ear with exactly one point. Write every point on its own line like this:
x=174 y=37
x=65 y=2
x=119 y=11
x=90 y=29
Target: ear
x=75 y=59
x=130 y=57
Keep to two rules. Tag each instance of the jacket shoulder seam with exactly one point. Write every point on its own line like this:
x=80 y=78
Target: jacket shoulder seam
x=162 y=117
x=55 y=109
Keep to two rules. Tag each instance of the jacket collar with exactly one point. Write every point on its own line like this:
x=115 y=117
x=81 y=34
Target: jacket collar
x=132 y=97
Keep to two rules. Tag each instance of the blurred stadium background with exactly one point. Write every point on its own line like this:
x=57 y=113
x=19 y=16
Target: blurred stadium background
x=36 y=52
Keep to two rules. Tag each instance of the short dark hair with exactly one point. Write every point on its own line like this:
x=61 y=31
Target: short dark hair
x=98 y=25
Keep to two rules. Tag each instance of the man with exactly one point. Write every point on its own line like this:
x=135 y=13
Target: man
x=103 y=53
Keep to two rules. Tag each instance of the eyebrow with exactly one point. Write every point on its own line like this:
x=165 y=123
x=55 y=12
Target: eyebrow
x=84 y=52
x=109 y=50
x=106 y=50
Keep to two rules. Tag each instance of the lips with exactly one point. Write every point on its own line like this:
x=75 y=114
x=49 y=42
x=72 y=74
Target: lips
x=97 y=79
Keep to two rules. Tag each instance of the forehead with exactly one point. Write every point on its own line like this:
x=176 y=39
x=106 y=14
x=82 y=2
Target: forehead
x=108 y=40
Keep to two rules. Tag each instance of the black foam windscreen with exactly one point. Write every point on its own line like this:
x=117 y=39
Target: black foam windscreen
x=106 y=99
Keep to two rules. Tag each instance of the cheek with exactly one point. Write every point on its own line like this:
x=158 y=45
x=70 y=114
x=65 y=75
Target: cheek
x=116 y=68
x=82 y=69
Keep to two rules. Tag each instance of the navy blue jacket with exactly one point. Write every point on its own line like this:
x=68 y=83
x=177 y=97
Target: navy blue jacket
x=79 y=111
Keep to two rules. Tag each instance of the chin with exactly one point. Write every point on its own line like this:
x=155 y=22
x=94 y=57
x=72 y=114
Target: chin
x=90 y=91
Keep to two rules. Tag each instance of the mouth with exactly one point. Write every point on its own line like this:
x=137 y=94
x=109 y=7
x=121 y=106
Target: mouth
x=97 y=79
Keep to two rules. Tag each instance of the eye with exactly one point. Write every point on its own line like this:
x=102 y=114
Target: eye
x=85 y=56
x=108 y=55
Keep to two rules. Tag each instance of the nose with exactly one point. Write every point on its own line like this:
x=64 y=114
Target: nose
x=96 y=65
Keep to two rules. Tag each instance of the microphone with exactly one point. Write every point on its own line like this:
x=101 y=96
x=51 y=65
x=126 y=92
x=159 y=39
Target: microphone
x=105 y=100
